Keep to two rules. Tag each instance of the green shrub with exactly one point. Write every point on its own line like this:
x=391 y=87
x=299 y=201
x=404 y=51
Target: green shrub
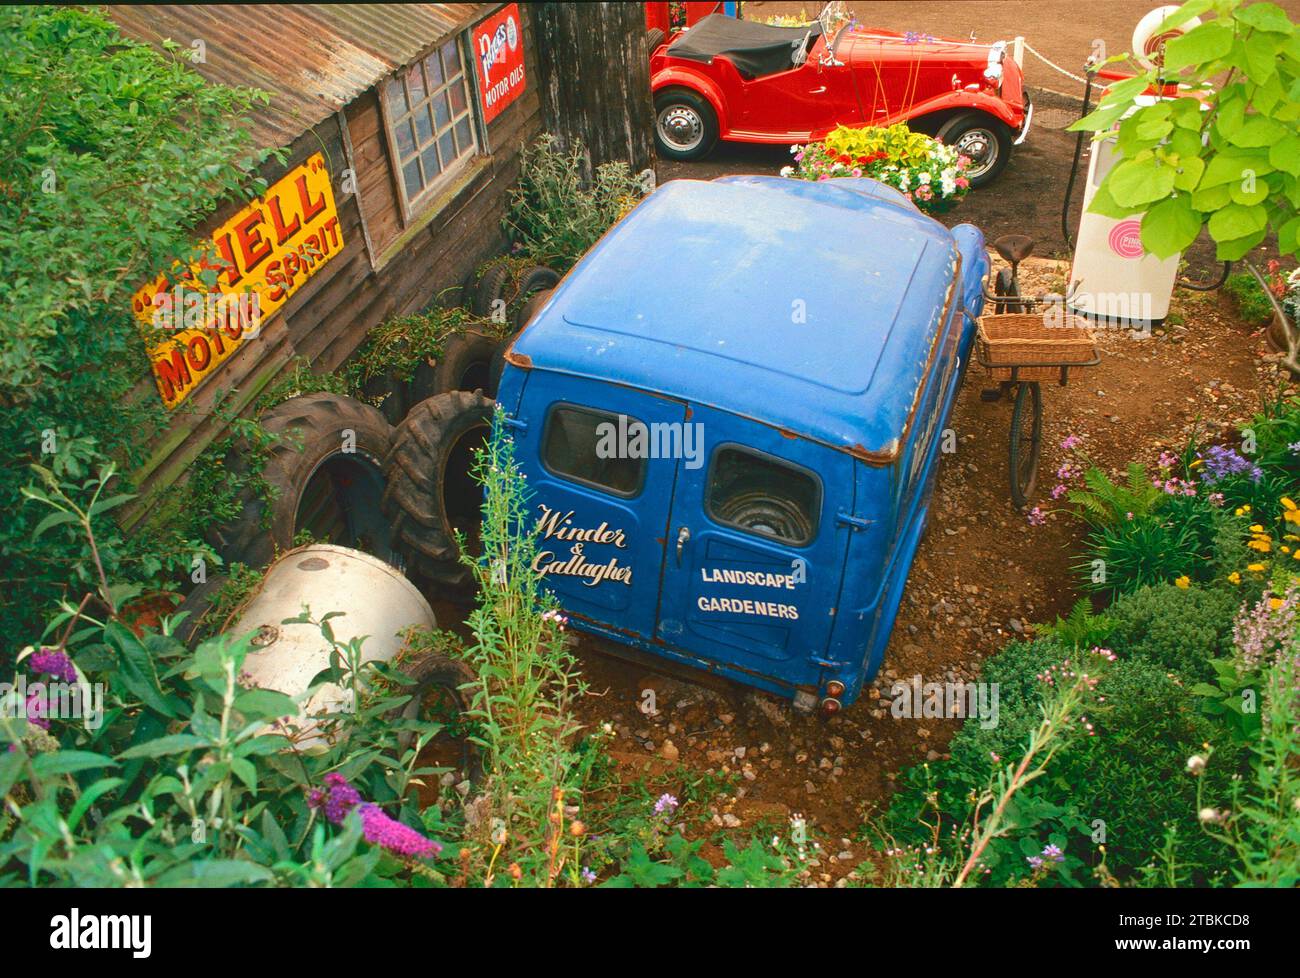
x=93 y=126
x=555 y=214
x=1130 y=775
x=1176 y=628
x=1251 y=302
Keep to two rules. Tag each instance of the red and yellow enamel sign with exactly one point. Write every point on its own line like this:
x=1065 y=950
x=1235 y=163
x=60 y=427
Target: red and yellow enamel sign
x=265 y=254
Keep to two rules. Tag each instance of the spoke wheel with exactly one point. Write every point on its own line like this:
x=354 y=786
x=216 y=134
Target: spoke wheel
x=1026 y=440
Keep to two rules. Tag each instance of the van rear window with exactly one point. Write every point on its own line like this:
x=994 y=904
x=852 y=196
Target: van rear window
x=573 y=435
x=763 y=496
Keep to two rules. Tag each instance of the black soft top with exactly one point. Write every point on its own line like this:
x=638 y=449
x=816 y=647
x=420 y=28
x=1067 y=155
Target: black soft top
x=755 y=49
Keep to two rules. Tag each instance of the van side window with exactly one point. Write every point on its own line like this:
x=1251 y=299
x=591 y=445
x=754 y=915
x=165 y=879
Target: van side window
x=570 y=449
x=763 y=496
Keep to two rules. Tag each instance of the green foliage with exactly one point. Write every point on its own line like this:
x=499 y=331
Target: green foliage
x=1252 y=304
x=398 y=346
x=1234 y=169
x=111 y=151
x=1182 y=629
x=1081 y=629
x=1261 y=821
x=555 y=213
x=1129 y=775
x=194 y=778
x=1105 y=502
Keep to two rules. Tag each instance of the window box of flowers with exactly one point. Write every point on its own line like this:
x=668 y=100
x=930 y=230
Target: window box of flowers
x=931 y=175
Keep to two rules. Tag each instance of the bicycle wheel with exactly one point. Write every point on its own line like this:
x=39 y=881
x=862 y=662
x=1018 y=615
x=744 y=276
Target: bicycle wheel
x=1026 y=440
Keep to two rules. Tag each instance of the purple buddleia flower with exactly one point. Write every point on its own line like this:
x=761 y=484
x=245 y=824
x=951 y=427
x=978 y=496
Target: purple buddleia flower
x=54 y=662
x=588 y=875
x=1053 y=853
x=399 y=839
x=339 y=798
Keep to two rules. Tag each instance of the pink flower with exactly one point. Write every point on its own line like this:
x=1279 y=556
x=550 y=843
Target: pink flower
x=1071 y=442
x=1037 y=517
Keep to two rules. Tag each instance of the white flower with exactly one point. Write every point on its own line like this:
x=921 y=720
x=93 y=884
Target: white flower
x=1209 y=815
x=924 y=177
x=787 y=171
x=1195 y=764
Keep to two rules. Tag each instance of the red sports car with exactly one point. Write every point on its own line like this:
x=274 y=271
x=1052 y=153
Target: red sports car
x=753 y=83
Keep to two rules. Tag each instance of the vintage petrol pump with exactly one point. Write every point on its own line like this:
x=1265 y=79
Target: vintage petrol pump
x=1113 y=279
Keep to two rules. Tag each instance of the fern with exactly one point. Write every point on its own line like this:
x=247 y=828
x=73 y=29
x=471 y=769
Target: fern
x=1081 y=629
x=1105 y=502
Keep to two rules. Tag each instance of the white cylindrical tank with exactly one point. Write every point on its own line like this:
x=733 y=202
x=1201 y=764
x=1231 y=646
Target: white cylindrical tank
x=377 y=601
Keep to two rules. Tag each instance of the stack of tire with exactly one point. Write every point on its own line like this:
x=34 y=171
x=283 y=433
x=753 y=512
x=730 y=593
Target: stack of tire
x=396 y=486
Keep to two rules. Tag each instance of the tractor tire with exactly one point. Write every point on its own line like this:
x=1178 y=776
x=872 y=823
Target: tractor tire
x=530 y=307
x=465 y=364
x=442 y=675
x=430 y=493
x=491 y=287
x=533 y=281
x=308 y=464
x=653 y=38
x=686 y=127
x=498 y=366
x=192 y=630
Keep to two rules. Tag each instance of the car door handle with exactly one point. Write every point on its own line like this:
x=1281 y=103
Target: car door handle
x=683 y=537
x=817 y=91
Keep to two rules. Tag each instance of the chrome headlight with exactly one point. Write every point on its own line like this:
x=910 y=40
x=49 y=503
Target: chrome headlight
x=993 y=71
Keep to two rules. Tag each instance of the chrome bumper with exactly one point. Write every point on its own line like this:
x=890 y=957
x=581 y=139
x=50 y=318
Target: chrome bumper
x=1024 y=130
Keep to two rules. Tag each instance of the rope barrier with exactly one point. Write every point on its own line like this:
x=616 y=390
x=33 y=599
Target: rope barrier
x=1053 y=65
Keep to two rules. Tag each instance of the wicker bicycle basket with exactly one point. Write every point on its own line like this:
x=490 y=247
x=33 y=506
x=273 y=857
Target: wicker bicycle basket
x=1035 y=350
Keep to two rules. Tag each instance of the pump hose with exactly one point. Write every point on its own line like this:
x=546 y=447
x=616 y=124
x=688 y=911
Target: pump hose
x=1091 y=72
x=1074 y=166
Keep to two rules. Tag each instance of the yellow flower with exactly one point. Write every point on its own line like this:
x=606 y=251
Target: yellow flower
x=1275 y=603
x=1285 y=550
x=1292 y=516
x=1257 y=568
x=1287 y=503
x=1183 y=582
x=1235 y=577
x=1262 y=545
x=1242 y=510
x=1256 y=529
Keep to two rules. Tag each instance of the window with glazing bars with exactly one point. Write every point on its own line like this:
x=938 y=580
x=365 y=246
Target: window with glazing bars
x=430 y=118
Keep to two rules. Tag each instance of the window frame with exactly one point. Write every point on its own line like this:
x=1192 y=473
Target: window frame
x=706 y=504
x=412 y=207
x=603 y=415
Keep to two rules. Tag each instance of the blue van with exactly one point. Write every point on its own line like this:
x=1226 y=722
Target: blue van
x=730 y=412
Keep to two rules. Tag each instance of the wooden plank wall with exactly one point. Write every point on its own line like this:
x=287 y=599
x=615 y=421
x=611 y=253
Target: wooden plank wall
x=328 y=318
x=595 y=79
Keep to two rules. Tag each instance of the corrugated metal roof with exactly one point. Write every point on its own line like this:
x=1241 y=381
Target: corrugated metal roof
x=313 y=59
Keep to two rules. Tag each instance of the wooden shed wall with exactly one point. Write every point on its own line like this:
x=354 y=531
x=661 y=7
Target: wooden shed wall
x=399 y=271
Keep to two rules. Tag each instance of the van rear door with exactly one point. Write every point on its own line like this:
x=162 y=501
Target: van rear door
x=599 y=503
x=756 y=552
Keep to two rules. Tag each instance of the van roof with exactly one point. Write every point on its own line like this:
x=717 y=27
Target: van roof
x=813 y=307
